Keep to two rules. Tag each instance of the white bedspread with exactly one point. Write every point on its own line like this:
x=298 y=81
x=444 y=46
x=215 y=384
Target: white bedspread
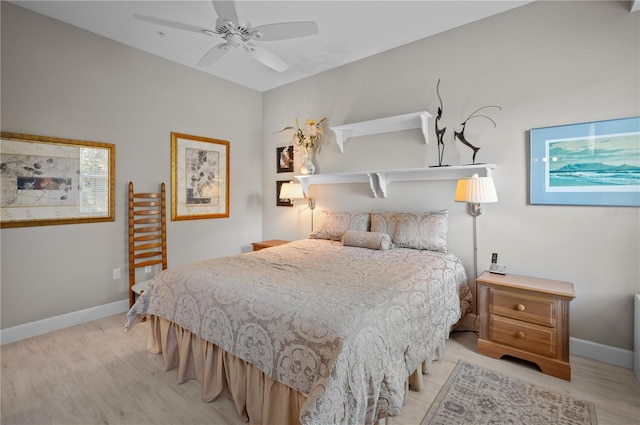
x=343 y=325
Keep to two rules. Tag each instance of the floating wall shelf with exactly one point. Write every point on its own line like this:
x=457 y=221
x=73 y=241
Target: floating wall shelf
x=379 y=180
x=382 y=125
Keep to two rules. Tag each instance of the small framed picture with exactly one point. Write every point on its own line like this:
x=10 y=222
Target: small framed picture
x=284 y=159
x=282 y=202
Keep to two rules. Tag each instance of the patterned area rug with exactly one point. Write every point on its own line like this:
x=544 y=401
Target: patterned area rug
x=473 y=395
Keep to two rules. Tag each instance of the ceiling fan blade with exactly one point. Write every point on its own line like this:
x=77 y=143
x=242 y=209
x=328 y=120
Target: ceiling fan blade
x=286 y=30
x=215 y=53
x=173 y=24
x=267 y=58
x=226 y=10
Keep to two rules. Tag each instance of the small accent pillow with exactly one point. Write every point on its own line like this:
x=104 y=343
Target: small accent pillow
x=332 y=225
x=417 y=231
x=371 y=240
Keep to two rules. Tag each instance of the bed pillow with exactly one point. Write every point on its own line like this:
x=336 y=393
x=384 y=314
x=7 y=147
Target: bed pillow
x=371 y=240
x=332 y=225
x=417 y=231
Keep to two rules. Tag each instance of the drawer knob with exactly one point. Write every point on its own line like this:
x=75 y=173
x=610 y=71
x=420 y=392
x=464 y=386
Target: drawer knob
x=520 y=334
x=520 y=307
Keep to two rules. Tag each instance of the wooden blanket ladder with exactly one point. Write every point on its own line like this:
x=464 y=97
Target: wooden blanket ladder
x=147 y=238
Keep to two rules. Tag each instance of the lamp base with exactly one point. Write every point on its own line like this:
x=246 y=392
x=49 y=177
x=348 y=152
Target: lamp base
x=312 y=206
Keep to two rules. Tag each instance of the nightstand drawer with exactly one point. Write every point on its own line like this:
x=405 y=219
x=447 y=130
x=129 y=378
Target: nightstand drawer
x=524 y=336
x=524 y=307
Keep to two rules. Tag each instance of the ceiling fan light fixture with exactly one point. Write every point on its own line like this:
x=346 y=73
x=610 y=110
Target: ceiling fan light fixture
x=234 y=39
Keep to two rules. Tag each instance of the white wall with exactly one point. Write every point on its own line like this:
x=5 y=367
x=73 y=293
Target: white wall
x=545 y=64
x=60 y=81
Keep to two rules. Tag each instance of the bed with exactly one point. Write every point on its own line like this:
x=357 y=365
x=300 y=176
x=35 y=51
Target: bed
x=321 y=330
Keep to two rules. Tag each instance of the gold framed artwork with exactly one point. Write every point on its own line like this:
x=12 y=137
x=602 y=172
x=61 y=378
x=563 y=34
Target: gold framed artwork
x=199 y=177
x=50 y=181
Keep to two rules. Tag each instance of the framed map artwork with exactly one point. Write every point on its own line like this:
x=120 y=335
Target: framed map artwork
x=50 y=181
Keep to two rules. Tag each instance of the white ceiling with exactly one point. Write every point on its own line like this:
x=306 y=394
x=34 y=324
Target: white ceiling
x=349 y=30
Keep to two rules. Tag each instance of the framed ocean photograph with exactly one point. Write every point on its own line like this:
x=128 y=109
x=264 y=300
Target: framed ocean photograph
x=594 y=163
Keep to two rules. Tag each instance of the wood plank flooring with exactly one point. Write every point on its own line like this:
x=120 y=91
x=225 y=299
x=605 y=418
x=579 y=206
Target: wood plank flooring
x=95 y=373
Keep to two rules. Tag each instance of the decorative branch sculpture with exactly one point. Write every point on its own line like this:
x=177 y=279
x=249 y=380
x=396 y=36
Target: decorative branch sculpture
x=440 y=132
x=460 y=135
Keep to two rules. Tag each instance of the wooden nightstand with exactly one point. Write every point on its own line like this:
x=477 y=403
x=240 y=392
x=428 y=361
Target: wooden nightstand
x=257 y=246
x=527 y=318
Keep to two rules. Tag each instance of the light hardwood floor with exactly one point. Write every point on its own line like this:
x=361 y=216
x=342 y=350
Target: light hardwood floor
x=96 y=373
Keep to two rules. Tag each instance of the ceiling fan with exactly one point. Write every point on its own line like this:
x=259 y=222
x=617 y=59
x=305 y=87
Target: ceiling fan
x=236 y=31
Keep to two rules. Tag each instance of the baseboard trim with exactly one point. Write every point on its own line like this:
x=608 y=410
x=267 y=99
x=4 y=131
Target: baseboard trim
x=604 y=353
x=55 y=323
x=579 y=347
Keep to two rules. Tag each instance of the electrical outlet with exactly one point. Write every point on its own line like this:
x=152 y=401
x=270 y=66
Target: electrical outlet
x=147 y=269
x=117 y=273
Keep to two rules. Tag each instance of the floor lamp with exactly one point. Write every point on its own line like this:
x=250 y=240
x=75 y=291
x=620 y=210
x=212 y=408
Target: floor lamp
x=293 y=191
x=476 y=191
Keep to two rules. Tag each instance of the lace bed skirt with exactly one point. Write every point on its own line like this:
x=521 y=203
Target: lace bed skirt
x=258 y=398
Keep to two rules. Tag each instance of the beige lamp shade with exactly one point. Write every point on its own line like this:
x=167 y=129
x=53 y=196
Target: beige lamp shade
x=291 y=191
x=476 y=190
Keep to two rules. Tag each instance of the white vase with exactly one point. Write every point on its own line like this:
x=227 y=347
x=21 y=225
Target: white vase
x=307 y=166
